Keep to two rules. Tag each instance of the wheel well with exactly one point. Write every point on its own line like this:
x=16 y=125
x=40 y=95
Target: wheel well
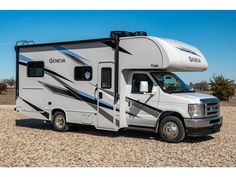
x=57 y=110
x=169 y=113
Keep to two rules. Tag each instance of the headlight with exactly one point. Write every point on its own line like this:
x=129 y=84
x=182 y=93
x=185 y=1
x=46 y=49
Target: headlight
x=196 y=110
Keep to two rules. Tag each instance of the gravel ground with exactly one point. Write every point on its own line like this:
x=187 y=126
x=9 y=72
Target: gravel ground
x=26 y=142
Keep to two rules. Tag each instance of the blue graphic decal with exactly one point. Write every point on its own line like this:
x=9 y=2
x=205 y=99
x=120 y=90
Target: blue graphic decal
x=66 y=51
x=93 y=98
x=86 y=95
x=107 y=104
x=24 y=58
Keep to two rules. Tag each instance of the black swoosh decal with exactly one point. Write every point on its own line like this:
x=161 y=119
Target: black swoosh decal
x=108 y=92
x=22 y=63
x=56 y=74
x=45 y=114
x=58 y=90
x=117 y=123
x=70 y=55
x=80 y=96
x=187 y=50
x=69 y=93
x=75 y=59
x=112 y=45
x=145 y=107
x=106 y=115
x=134 y=115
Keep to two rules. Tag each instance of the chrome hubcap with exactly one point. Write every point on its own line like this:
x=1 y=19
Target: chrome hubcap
x=59 y=121
x=171 y=130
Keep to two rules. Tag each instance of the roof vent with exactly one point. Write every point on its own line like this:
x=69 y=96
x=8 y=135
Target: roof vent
x=127 y=33
x=140 y=33
x=121 y=33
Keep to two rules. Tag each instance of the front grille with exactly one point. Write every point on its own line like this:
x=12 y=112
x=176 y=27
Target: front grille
x=212 y=108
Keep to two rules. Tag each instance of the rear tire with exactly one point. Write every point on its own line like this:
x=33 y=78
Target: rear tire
x=59 y=122
x=171 y=129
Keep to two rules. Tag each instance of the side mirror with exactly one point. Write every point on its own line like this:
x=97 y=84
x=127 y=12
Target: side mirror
x=143 y=88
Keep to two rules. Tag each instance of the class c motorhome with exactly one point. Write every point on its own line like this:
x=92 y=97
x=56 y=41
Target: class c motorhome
x=126 y=81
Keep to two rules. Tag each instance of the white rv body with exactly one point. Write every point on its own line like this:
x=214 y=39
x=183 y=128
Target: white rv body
x=89 y=102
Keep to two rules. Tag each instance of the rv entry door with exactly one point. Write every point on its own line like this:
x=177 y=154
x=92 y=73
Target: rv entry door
x=105 y=96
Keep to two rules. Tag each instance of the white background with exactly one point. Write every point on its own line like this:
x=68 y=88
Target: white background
x=118 y=172
x=117 y=4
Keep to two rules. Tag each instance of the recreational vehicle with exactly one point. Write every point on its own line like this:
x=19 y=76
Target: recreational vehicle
x=125 y=81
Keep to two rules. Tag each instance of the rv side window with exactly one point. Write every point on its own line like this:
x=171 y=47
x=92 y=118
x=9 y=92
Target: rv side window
x=106 y=78
x=35 y=69
x=83 y=73
x=137 y=78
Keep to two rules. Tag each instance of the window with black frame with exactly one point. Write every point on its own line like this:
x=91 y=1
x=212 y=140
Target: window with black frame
x=35 y=69
x=137 y=78
x=83 y=73
x=106 y=76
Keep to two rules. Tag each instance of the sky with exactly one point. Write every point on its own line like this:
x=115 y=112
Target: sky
x=213 y=32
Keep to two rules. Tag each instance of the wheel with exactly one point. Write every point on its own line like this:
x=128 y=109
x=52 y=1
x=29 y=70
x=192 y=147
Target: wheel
x=59 y=122
x=171 y=129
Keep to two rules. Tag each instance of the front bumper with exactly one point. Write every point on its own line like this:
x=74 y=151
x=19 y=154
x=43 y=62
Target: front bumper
x=203 y=126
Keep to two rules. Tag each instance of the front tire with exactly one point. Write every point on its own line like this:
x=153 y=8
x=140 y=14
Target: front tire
x=59 y=122
x=171 y=129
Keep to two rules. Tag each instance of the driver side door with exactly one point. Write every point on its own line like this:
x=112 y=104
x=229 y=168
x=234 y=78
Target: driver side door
x=142 y=107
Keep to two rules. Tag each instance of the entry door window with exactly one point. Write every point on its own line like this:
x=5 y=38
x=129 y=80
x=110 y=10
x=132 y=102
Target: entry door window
x=106 y=76
x=137 y=78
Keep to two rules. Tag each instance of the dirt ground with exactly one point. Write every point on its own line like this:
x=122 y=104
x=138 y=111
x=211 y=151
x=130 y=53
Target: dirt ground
x=26 y=142
x=8 y=98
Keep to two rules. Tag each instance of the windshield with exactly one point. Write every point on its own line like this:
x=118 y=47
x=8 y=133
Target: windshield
x=170 y=83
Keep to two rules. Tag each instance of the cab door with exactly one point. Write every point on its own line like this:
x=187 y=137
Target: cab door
x=142 y=106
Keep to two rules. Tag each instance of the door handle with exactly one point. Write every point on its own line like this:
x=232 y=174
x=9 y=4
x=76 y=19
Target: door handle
x=100 y=95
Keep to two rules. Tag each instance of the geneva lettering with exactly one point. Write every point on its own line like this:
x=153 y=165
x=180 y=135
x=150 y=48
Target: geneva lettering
x=57 y=60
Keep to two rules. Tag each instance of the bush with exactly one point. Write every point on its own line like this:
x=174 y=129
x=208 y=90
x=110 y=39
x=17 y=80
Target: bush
x=3 y=87
x=222 y=88
x=11 y=82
